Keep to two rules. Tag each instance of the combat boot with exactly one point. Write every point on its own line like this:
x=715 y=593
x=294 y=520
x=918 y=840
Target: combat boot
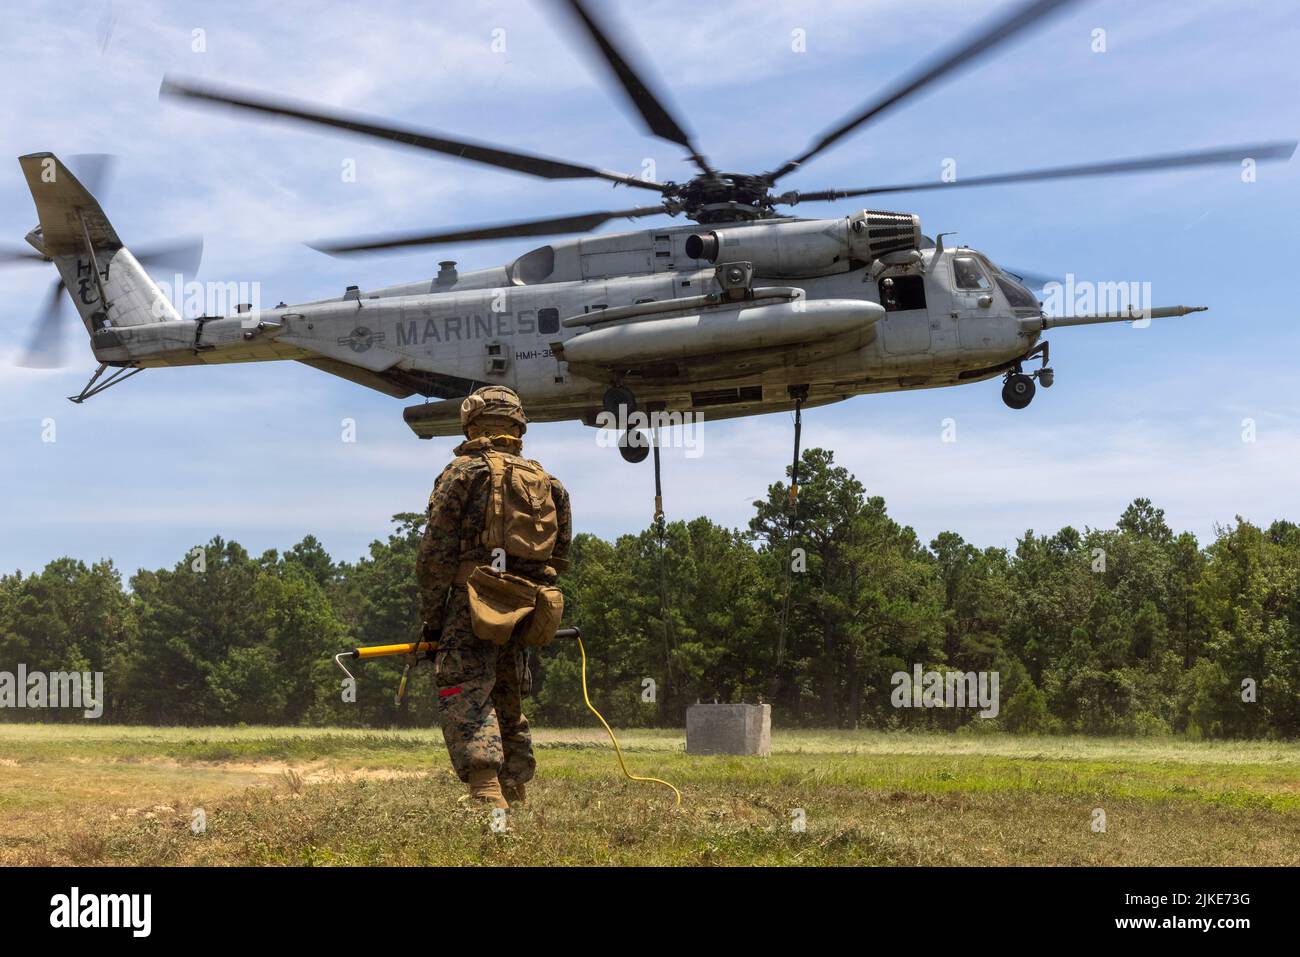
x=514 y=792
x=485 y=788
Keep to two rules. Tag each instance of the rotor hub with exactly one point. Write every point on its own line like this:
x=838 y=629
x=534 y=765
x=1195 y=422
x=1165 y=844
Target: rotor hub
x=725 y=198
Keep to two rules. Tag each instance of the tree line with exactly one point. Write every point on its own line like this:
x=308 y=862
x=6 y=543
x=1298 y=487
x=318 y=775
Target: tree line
x=1132 y=630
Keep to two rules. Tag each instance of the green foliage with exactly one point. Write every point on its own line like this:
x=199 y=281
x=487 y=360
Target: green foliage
x=1133 y=630
x=1026 y=711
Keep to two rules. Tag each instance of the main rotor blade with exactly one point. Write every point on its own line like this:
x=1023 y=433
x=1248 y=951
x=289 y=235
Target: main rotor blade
x=1031 y=279
x=965 y=54
x=93 y=170
x=581 y=223
x=45 y=349
x=529 y=163
x=178 y=255
x=1263 y=152
x=19 y=255
x=657 y=118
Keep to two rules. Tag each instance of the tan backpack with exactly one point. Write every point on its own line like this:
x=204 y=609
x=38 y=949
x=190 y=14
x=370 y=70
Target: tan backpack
x=521 y=515
x=521 y=519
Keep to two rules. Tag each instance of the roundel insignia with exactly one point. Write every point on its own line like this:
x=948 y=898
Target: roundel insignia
x=360 y=339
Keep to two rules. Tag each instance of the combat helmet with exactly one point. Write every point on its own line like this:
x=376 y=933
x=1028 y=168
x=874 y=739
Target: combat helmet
x=493 y=400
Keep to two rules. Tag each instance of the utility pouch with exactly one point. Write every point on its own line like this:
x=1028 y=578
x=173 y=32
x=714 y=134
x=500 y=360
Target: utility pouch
x=548 y=609
x=498 y=603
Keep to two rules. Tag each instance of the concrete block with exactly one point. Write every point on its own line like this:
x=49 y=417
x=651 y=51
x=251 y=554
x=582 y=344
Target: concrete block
x=729 y=729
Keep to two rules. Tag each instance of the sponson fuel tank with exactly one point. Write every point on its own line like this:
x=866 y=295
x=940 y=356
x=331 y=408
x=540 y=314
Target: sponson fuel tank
x=722 y=330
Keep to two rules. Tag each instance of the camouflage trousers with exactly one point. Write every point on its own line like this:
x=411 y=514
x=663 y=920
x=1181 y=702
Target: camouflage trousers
x=481 y=687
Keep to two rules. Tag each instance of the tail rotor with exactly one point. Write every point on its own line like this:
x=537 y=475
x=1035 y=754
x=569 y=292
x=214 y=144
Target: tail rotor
x=177 y=256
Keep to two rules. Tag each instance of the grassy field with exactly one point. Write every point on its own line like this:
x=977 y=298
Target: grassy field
x=85 y=794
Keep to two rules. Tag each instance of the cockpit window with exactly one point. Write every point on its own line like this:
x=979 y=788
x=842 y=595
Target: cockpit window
x=1017 y=295
x=967 y=274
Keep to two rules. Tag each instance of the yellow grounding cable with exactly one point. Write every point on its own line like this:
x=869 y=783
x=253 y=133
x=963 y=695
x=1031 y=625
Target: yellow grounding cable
x=617 y=750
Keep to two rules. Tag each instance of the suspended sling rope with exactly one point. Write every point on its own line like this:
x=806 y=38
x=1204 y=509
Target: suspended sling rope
x=660 y=534
x=799 y=393
x=663 y=603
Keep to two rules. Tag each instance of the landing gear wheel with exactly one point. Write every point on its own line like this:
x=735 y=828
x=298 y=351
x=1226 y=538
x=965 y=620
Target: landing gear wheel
x=619 y=402
x=1018 y=391
x=633 y=446
x=1046 y=377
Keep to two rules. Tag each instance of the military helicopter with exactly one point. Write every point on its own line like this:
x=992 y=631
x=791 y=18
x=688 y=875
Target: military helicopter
x=742 y=311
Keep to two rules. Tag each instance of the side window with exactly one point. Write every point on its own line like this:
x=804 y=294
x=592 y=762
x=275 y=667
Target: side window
x=899 y=293
x=548 y=321
x=967 y=274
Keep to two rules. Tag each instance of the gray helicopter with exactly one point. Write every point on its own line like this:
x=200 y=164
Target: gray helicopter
x=743 y=311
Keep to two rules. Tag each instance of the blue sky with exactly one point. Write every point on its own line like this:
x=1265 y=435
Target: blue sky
x=254 y=453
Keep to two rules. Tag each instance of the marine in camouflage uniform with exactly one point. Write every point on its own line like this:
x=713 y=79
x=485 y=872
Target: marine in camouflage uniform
x=480 y=685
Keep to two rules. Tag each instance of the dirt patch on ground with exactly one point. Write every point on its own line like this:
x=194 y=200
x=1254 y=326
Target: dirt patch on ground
x=310 y=772
x=86 y=802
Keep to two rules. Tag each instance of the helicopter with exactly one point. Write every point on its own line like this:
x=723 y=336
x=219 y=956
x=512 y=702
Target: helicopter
x=742 y=310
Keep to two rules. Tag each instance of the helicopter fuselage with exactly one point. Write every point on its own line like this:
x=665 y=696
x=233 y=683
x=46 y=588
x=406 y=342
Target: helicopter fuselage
x=947 y=319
